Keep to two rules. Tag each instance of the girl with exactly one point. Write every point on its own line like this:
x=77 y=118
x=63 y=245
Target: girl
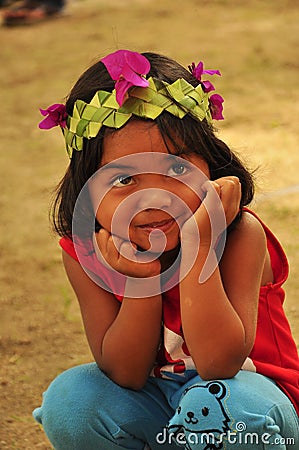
x=179 y=284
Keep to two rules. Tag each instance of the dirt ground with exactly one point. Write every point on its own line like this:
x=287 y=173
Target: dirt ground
x=255 y=46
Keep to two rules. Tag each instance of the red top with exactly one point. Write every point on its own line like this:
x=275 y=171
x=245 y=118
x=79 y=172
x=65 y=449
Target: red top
x=274 y=353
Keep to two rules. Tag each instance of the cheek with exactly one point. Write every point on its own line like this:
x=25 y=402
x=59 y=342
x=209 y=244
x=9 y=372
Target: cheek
x=114 y=217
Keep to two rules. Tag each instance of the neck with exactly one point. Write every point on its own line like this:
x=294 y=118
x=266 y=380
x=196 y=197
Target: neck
x=168 y=258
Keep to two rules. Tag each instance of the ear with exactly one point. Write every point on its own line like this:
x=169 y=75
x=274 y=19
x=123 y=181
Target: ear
x=217 y=389
x=188 y=389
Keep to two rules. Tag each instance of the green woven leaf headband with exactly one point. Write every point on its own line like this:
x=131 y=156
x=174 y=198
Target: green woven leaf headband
x=133 y=95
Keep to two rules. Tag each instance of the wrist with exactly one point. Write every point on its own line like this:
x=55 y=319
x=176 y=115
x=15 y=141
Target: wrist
x=201 y=265
x=143 y=287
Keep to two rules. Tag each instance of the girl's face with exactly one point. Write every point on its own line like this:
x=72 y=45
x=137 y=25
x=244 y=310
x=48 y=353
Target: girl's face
x=147 y=188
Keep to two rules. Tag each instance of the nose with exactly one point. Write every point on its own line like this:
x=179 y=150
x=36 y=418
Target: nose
x=154 y=198
x=190 y=414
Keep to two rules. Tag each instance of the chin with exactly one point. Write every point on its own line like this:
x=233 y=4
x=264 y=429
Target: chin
x=170 y=246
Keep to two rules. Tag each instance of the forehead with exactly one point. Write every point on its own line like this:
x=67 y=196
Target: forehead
x=135 y=137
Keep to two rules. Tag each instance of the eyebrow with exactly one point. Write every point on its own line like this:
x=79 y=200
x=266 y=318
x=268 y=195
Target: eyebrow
x=168 y=158
x=111 y=166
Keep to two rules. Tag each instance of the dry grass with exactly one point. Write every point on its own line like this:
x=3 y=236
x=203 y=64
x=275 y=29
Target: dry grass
x=255 y=43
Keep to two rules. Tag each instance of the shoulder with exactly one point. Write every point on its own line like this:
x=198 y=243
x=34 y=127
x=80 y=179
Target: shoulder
x=245 y=249
x=86 y=290
x=249 y=231
x=77 y=276
x=243 y=260
x=67 y=244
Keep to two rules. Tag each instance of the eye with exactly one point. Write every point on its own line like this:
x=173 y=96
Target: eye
x=178 y=169
x=205 y=411
x=179 y=410
x=122 y=180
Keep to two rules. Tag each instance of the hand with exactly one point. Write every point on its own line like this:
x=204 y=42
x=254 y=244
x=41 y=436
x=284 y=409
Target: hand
x=220 y=206
x=229 y=190
x=123 y=256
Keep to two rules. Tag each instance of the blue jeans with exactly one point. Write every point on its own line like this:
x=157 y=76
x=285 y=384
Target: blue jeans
x=84 y=410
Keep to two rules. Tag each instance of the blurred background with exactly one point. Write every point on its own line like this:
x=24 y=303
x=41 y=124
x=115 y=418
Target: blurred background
x=254 y=44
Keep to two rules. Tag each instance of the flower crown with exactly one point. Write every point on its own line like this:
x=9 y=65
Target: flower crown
x=134 y=95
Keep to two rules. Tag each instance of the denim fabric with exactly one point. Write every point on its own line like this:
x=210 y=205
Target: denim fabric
x=84 y=410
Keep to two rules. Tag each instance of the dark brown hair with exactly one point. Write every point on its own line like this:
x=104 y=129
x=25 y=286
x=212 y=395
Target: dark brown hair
x=197 y=137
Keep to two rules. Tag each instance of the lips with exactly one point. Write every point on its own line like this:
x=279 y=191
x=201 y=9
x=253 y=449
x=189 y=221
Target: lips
x=163 y=225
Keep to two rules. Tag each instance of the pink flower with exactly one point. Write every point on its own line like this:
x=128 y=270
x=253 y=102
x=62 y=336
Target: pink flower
x=215 y=100
x=198 y=71
x=216 y=106
x=127 y=69
x=56 y=115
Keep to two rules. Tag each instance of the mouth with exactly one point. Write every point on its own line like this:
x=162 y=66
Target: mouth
x=163 y=225
x=191 y=420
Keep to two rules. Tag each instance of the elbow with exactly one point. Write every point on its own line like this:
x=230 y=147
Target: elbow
x=214 y=370
x=214 y=373
x=126 y=380
x=222 y=365
x=134 y=385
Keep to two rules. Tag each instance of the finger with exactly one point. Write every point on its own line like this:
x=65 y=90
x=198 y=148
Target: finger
x=222 y=180
x=114 y=244
x=100 y=240
x=213 y=208
x=104 y=246
x=228 y=185
x=211 y=186
x=228 y=191
x=231 y=191
x=127 y=250
x=231 y=194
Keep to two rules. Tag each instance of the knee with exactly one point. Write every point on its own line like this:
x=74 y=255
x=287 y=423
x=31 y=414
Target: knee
x=70 y=406
x=247 y=407
x=202 y=413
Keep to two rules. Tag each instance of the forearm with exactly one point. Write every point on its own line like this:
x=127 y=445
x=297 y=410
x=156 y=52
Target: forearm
x=130 y=344
x=214 y=333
